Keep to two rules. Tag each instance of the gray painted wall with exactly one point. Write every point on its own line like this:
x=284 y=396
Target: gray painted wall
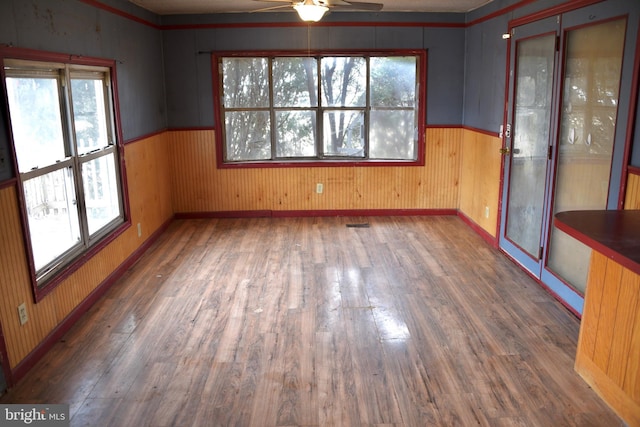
x=73 y=27
x=188 y=72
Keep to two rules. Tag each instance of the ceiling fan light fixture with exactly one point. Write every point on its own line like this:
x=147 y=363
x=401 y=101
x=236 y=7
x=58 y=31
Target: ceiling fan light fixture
x=309 y=11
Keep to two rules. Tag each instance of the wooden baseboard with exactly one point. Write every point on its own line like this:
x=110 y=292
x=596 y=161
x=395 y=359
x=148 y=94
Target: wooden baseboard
x=315 y=213
x=479 y=230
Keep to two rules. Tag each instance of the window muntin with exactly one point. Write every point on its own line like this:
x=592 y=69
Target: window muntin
x=62 y=122
x=323 y=107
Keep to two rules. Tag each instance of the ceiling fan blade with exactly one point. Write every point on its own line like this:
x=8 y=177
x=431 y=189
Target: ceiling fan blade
x=356 y=5
x=266 y=9
x=274 y=1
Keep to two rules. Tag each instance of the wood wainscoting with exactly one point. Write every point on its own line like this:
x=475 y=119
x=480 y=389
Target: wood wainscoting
x=480 y=179
x=632 y=197
x=608 y=350
x=199 y=186
x=150 y=205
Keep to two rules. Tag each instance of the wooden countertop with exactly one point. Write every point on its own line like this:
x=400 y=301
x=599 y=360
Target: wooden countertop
x=615 y=234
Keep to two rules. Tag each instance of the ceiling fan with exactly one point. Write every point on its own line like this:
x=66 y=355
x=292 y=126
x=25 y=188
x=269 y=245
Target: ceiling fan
x=314 y=10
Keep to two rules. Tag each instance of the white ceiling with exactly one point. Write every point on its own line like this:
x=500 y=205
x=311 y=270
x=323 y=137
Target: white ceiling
x=176 y=7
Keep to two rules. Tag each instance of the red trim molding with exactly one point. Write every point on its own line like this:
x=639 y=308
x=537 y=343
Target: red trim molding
x=11 y=182
x=612 y=233
x=143 y=137
x=569 y=5
x=633 y=170
x=316 y=24
x=479 y=230
x=40 y=292
x=45 y=345
x=542 y=284
x=631 y=127
x=482 y=131
x=315 y=213
x=551 y=11
x=420 y=54
x=115 y=11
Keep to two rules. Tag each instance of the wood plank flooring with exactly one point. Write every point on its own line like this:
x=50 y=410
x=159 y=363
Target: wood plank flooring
x=411 y=321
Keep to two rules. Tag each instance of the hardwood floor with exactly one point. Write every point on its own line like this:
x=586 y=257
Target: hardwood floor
x=411 y=321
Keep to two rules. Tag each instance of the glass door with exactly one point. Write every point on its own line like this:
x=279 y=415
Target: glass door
x=528 y=142
x=588 y=122
x=562 y=148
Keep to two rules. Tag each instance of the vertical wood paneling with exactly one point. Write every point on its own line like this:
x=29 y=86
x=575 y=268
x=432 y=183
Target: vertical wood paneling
x=609 y=342
x=632 y=197
x=15 y=286
x=631 y=384
x=480 y=179
x=148 y=169
x=597 y=273
x=198 y=186
x=14 y=270
x=624 y=326
x=149 y=179
x=607 y=316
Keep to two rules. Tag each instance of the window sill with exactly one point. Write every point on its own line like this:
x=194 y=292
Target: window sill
x=316 y=163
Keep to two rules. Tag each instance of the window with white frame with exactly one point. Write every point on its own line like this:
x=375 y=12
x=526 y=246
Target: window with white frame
x=320 y=107
x=63 y=130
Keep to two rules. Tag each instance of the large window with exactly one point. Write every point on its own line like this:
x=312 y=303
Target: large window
x=62 y=124
x=323 y=107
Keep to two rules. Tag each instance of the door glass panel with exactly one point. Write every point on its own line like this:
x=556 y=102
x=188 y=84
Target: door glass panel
x=587 y=130
x=532 y=115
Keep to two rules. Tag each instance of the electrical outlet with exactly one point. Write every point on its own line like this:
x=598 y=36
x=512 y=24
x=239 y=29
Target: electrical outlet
x=319 y=188
x=139 y=230
x=22 y=313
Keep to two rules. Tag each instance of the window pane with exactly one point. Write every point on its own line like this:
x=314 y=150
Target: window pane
x=295 y=82
x=393 y=81
x=100 y=191
x=392 y=135
x=34 y=105
x=344 y=133
x=53 y=218
x=245 y=82
x=344 y=81
x=296 y=133
x=89 y=115
x=248 y=135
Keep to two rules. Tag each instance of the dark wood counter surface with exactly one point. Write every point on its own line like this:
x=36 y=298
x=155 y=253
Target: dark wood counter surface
x=615 y=234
